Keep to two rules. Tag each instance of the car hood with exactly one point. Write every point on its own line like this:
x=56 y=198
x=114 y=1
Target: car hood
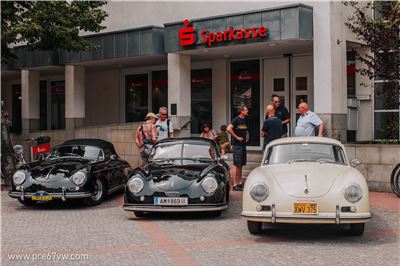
x=55 y=169
x=293 y=181
x=177 y=177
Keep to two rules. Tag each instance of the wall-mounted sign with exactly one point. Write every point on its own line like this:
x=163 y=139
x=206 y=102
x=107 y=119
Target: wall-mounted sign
x=187 y=34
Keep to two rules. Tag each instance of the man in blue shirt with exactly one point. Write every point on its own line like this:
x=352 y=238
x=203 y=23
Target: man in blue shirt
x=240 y=136
x=272 y=126
x=307 y=122
x=281 y=112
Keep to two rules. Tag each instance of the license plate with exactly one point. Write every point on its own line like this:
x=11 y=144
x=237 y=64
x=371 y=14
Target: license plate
x=305 y=208
x=42 y=196
x=164 y=201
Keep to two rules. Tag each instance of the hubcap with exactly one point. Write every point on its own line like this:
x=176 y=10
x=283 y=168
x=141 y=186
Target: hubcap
x=98 y=190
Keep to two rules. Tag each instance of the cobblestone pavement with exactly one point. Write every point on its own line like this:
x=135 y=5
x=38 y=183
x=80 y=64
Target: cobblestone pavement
x=108 y=235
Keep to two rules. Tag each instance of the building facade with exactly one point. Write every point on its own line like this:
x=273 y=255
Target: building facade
x=203 y=63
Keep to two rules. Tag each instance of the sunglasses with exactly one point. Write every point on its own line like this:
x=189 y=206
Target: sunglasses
x=164 y=114
x=277 y=101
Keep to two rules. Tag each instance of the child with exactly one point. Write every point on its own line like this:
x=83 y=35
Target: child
x=223 y=139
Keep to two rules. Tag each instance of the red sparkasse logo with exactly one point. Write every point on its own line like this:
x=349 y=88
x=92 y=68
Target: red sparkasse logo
x=187 y=35
x=45 y=148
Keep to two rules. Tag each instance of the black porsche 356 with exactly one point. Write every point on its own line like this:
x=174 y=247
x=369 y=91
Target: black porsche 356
x=182 y=175
x=87 y=169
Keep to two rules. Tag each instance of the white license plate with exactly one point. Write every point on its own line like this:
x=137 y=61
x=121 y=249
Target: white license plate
x=164 y=201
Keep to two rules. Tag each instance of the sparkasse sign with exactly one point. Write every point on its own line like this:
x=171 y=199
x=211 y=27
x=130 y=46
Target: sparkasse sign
x=187 y=34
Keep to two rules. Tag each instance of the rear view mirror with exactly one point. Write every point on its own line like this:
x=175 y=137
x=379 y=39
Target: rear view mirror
x=354 y=162
x=113 y=157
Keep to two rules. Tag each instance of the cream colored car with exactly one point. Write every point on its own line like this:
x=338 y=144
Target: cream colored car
x=306 y=180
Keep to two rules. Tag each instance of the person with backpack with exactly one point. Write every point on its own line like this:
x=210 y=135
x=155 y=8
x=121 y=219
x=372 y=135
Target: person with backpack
x=146 y=136
x=164 y=126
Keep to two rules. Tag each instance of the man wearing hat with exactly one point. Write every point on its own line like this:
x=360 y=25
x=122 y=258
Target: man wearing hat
x=146 y=136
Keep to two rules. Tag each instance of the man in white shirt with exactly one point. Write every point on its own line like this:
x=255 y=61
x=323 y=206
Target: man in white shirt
x=164 y=126
x=308 y=122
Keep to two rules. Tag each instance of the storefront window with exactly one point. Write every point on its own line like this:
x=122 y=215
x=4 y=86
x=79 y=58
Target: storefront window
x=201 y=95
x=16 y=125
x=136 y=97
x=58 y=105
x=245 y=90
x=351 y=74
x=159 y=90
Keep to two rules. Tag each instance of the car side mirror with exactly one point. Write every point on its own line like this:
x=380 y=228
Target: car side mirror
x=354 y=162
x=113 y=157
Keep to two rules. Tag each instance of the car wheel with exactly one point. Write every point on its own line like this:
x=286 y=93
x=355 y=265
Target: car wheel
x=254 y=227
x=356 y=229
x=27 y=202
x=138 y=214
x=99 y=193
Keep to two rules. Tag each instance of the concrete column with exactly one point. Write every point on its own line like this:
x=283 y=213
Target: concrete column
x=30 y=100
x=74 y=98
x=220 y=93
x=179 y=91
x=330 y=78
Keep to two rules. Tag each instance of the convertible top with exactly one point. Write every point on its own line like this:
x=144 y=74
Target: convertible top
x=192 y=140
x=102 y=144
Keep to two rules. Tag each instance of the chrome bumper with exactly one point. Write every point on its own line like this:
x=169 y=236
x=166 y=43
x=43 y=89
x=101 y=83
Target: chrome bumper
x=63 y=195
x=188 y=208
x=328 y=218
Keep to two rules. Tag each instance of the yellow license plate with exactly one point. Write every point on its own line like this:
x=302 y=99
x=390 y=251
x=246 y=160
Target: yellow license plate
x=42 y=196
x=305 y=208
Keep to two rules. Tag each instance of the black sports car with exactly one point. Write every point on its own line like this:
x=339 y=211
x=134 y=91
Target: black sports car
x=87 y=169
x=182 y=175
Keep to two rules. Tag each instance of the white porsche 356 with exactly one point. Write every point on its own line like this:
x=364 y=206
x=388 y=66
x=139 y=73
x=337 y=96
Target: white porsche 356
x=306 y=180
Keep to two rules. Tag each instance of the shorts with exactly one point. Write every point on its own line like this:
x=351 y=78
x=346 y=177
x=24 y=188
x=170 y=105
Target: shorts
x=239 y=155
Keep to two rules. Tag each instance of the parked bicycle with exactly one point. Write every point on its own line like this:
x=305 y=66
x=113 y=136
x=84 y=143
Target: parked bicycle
x=395 y=180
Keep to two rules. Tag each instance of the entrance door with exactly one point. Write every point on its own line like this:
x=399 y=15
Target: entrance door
x=302 y=89
x=245 y=90
x=277 y=72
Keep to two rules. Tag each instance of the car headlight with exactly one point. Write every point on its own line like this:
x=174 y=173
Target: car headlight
x=18 y=178
x=135 y=185
x=353 y=193
x=209 y=184
x=259 y=192
x=79 y=178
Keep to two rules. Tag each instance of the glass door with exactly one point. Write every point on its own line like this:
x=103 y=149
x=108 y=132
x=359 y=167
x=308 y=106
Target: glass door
x=136 y=105
x=245 y=90
x=57 y=105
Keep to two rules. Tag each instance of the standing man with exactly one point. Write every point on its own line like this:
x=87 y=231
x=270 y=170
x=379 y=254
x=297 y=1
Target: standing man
x=240 y=136
x=282 y=113
x=307 y=122
x=272 y=126
x=164 y=126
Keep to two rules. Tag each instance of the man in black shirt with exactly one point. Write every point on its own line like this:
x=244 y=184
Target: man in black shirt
x=282 y=113
x=240 y=136
x=272 y=127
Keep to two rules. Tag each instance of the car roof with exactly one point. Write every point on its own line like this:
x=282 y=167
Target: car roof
x=191 y=140
x=102 y=144
x=305 y=139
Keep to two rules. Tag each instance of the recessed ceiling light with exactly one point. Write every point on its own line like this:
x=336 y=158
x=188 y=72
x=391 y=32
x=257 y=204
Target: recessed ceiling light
x=272 y=44
x=226 y=56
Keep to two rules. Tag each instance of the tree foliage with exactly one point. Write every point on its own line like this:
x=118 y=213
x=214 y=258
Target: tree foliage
x=380 y=33
x=49 y=25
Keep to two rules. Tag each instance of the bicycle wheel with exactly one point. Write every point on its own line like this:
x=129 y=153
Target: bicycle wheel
x=395 y=179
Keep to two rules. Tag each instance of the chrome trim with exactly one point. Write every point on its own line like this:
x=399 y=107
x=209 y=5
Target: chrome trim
x=68 y=195
x=22 y=193
x=304 y=220
x=63 y=194
x=115 y=188
x=174 y=209
x=273 y=212
x=337 y=219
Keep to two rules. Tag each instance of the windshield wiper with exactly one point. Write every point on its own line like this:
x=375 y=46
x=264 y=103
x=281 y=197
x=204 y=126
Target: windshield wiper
x=300 y=160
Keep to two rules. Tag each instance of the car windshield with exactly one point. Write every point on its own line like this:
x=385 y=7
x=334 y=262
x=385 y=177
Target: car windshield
x=184 y=151
x=88 y=152
x=305 y=152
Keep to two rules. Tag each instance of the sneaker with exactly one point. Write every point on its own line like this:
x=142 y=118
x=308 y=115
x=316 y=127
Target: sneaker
x=238 y=188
